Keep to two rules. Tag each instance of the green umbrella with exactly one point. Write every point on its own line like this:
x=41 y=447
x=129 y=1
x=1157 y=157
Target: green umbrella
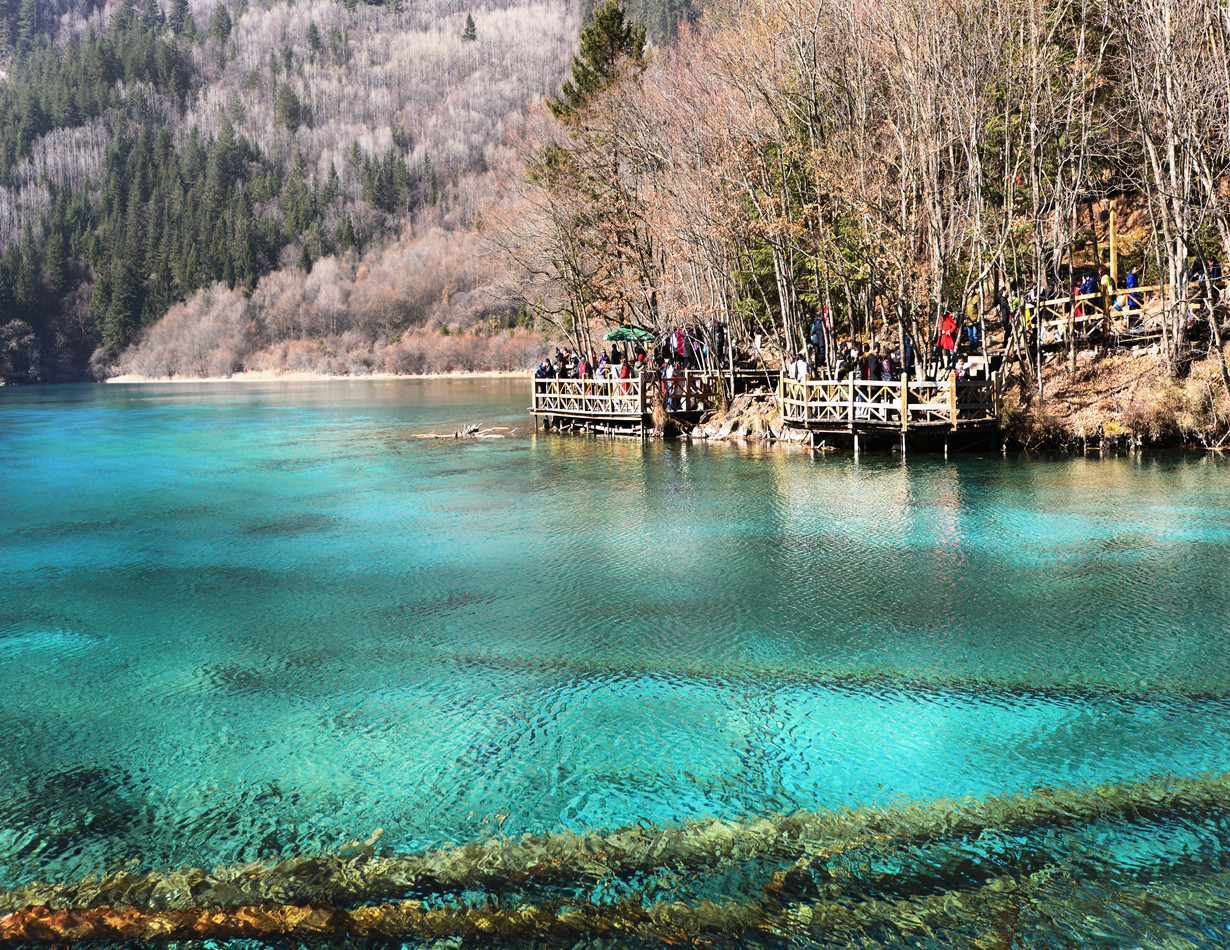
x=630 y=333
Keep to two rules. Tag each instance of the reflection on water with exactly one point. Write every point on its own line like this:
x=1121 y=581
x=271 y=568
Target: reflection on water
x=247 y=623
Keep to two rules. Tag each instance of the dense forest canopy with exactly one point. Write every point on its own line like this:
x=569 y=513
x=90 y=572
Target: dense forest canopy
x=151 y=150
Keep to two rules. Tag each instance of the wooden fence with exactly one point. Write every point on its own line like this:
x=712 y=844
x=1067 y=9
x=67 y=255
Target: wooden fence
x=904 y=403
x=623 y=399
x=1124 y=312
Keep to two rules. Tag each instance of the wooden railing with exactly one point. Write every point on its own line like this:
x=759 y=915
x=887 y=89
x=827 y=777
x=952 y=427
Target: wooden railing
x=613 y=398
x=1124 y=311
x=691 y=392
x=898 y=403
x=623 y=398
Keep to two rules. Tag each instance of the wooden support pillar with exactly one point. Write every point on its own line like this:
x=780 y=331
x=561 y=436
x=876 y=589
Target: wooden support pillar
x=905 y=406
x=952 y=400
x=850 y=408
x=1114 y=251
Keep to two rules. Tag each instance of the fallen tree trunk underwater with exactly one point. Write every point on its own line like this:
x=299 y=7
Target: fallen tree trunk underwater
x=358 y=875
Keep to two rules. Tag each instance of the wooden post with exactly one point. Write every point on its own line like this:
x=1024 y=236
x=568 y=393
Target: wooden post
x=1114 y=253
x=905 y=404
x=952 y=399
x=850 y=408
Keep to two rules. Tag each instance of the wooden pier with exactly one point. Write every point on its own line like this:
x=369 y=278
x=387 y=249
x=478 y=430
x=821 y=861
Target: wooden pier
x=622 y=405
x=888 y=410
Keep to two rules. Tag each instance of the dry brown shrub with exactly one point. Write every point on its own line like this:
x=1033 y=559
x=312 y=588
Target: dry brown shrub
x=304 y=356
x=207 y=335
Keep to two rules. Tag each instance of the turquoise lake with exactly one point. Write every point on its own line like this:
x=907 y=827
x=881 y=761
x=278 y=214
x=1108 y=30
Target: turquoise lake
x=246 y=622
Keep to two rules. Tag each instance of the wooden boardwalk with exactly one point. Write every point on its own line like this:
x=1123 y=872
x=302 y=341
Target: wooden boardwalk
x=621 y=405
x=1126 y=314
x=873 y=408
x=902 y=407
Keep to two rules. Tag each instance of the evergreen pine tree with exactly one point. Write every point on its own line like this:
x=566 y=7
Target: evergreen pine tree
x=288 y=108
x=220 y=24
x=313 y=38
x=431 y=192
x=123 y=312
x=178 y=18
x=25 y=287
x=296 y=202
x=470 y=33
x=333 y=185
x=123 y=18
x=237 y=111
x=221 y=169
x=151 y=17
x=55 y=262
x=100 y=302
x=344 y=235
x=606 y=45
x=28 y=31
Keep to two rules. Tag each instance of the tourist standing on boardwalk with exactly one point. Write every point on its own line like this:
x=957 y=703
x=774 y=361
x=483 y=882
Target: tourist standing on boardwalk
x=907 y=354
x=948 y=342
x=668 y=385
x=888 y=370
x=1003 y=309
x=973 y=314
x=818 y=342
x=679 y=347
x=1106 y=283
x=1133 y=282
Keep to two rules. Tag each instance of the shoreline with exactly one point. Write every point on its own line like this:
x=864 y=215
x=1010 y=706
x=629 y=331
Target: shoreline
x=266 y=376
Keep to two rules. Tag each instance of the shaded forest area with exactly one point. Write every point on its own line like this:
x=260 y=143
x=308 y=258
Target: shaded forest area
x=154 y=155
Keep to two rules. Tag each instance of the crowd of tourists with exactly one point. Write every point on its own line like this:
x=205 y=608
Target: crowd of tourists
x=688 y=347
x=1052 y=305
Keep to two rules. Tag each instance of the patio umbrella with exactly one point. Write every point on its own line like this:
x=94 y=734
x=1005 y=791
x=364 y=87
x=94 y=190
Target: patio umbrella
x=630 y=334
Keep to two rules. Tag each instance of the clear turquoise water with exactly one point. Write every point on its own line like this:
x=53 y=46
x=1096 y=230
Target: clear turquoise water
x=244 y=622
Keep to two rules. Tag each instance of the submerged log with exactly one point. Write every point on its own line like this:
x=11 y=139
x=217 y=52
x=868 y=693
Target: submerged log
x=360 y=875
x=992 y=913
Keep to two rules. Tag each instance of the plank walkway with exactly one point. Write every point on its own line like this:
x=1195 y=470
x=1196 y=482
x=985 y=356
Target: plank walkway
x=875 y=407
x=621 y=405
x=850 y=405
x=1125 y=314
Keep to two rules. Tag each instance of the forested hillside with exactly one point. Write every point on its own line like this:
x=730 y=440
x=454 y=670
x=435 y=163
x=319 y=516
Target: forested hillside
x=153 y=151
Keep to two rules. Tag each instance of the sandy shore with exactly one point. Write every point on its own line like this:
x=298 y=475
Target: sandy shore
x=257 y=376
